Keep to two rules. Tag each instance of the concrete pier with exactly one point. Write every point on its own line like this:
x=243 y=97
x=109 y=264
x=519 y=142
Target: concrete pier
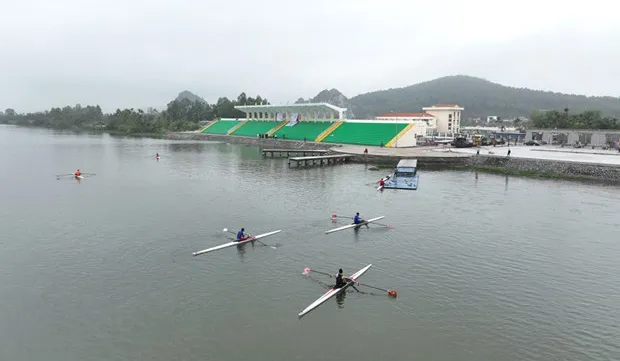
x=288 y=152
x=327 y=159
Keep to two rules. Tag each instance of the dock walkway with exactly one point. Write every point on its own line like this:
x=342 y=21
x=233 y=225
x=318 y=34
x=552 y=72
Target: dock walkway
x=288 y=152
x=327 y=159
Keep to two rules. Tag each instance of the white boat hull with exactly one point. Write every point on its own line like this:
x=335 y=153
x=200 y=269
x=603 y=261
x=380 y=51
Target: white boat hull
x=334 y=291
x=353 y=225
x=235 y=243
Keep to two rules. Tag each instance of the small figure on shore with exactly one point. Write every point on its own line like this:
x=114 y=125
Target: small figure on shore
x=509 y=152
x=366 y=151
x=478 y=151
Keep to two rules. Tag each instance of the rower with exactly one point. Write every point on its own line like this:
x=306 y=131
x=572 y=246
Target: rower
x=77 y=173
x=340 y=280
x=381 y=182
x=241 y=236
x=358 y=220
x=157 y=155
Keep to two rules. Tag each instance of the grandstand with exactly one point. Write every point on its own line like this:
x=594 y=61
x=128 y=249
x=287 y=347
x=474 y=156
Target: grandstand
x=364 y=133
x=316 y=122
x=308 y=130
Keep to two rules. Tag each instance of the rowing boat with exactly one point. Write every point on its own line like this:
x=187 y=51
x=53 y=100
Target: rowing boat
x=384 y=179
x=354 y=225
x=235 y=243
x=334 y=291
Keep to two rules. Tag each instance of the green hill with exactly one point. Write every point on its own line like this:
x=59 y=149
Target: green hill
x=479 y=97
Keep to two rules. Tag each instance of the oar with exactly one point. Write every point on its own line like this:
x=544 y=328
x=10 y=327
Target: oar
x=391 y=293
x=384 y=225
x=308 y=270
x=337 y=216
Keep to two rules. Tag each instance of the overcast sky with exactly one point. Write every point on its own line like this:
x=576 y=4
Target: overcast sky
x=136 y=53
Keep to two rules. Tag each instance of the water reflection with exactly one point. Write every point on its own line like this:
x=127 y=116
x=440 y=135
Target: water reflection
x=340 y=298
x=241 y=250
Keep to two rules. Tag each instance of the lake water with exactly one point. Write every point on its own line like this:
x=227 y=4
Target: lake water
x=486 y=267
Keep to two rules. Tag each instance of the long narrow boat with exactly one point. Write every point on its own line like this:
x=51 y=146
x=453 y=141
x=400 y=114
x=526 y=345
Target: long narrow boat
x=235 y=243
x=334 y=291
x=384 y=179
x=354 y=225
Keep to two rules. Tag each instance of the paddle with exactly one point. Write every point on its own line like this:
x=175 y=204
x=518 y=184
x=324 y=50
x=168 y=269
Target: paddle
x=391 y=293
x=384 y=225
x=308 y=270
x=257 y=240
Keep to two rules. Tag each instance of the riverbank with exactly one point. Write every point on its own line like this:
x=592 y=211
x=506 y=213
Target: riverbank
x=261 y=142
x=433 y=157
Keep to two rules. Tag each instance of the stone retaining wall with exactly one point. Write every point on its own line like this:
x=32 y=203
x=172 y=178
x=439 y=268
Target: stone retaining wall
x=547 y=167
x=422 y=160
x=262 y=142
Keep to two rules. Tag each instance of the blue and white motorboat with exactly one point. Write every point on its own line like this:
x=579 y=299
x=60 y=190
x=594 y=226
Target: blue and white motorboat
x=405 y=176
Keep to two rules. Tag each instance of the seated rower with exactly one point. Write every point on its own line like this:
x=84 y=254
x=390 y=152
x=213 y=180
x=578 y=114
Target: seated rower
x=381 y=182
x=341 y=281
x=241 y=236
x=77 y=173
x=358 y=220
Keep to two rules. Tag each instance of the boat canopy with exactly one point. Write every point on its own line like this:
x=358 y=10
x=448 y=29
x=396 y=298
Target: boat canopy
x=406 y=168
x=407 y=163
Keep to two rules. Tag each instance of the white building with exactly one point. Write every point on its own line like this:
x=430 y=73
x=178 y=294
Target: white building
x=424 y=123
x=448 y=117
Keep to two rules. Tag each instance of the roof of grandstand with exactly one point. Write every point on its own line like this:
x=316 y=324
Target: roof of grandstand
x=317 y=107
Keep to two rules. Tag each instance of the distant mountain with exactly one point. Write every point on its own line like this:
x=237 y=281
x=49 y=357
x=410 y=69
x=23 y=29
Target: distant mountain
x=333 y=97
x=186 y=94
x=479 y=97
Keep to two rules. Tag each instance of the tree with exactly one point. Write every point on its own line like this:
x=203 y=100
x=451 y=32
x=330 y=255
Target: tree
x=242 y=99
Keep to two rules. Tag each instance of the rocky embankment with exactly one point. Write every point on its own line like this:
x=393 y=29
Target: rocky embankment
x=545 y=167
x=261 y=142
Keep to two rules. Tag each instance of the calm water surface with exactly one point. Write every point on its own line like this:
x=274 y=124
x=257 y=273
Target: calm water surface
x=486 y=267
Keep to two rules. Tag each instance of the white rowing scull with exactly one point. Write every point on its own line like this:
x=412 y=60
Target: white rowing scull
x=334 y=291
x=354 y=225
x=235 y=243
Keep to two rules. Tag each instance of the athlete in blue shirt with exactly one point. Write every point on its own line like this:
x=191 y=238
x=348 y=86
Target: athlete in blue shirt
x=357 y=219
x=241 y=236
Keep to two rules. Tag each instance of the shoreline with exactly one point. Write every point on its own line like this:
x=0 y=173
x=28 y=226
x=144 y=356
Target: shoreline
x=429 y=158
